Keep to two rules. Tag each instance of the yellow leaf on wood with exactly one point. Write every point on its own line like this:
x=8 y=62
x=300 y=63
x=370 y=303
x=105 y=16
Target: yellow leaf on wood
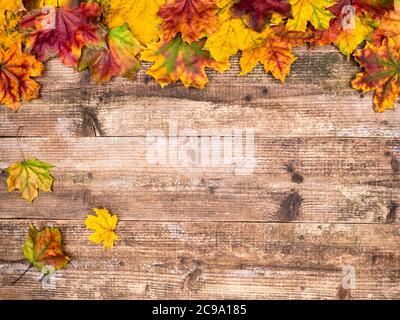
x=103 y=224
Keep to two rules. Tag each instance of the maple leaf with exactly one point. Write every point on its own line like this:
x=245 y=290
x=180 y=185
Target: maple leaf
x=194 y=19
x=314 y=11
x=295 y=38
x=275 y=54
x=28 y=176
x=260 y=10
x=115 y=56
x=13 y=6
x=16 y=70
x=375 y=8
x=141 y=16
x=232 y=35
x=36 y=4
x=390 y=26
x=61 y=31
x=178 y=60
x=345 y=31
x=103 y=225
x=381 y=73
x=43 y=248
x=9 y=33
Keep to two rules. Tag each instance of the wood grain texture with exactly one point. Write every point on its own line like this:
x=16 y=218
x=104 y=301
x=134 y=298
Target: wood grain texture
x=316 y=100
x=342 y=181
x=324 y=193
x=167 y=260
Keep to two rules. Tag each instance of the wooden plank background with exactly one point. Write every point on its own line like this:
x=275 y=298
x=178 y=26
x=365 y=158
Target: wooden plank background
x=323 y=195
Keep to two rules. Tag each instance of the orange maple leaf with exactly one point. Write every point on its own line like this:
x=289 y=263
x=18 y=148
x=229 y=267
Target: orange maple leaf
x=16 y=70
x=43 y=248
x=381 y=73
x=275 y=54
x=390 y=26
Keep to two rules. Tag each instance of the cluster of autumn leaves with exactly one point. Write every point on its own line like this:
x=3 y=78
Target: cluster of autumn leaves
x=43 y=249
x=184 y=37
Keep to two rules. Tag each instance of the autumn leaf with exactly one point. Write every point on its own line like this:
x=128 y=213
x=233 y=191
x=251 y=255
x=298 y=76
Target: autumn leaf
x=295 y=38
x=104 y=225
x=43 y=248
x=13 y=6
x=117 y=55
x=16 y=70
x=375 y=8
x=275 y=54
x=61 y=31
x=141 y=16
x=381 y=73
x=29 y=176
x=260 y=10
x=194 y=19
x=9 y=32
x=390 y=26
x=347 y=30
x=178 y=60
x=314 y=11
x=36 y=4
x=232 y=35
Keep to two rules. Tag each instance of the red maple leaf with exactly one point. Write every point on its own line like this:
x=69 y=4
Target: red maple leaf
x=61 y=31
x=260 y=10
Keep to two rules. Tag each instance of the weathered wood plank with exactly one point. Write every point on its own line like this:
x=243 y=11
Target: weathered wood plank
x=337 y=180
x=129 y=116
x=316 y=100
x=212 y=261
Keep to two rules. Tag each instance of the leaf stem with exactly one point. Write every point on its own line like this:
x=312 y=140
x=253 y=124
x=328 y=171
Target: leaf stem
x=15 y=281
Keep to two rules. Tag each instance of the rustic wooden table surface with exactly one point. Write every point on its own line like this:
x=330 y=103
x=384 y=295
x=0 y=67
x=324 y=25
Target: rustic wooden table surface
x=322 y=197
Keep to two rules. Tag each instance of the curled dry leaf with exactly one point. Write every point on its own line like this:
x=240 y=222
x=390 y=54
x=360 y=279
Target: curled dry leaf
x=104 y=225
x=29 y=176
x=44 y=248
x=16 y=72
x=178 y=60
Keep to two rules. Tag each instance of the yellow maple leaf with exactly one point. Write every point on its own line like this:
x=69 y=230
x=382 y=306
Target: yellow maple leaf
x=9 y=33
x=103 y=225
x=28 y=176
x=275 y=54
x=13 y=6
x=232 y=34
x=349 y=39
x=141 y=16
x=314 y=11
